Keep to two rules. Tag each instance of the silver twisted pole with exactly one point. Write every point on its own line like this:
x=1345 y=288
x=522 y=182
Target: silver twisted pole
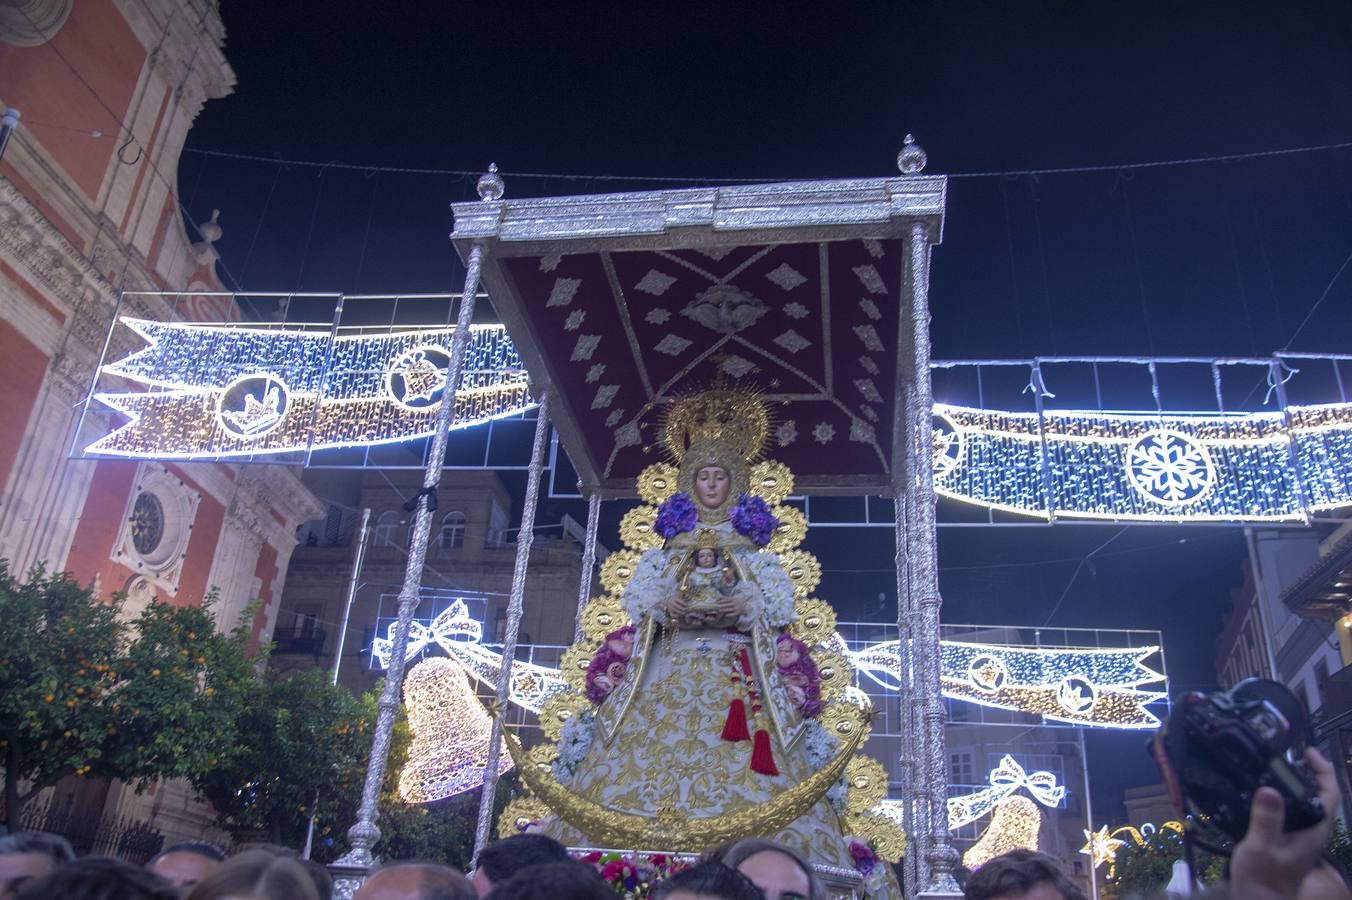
x=352 y=867
x=924 y=561
x=525 y=536
x=912 y=790
x=588 y=561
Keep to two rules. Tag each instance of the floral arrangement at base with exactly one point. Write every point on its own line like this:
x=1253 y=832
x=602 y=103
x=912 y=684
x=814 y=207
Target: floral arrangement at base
x=867 y=863
x=635 y=874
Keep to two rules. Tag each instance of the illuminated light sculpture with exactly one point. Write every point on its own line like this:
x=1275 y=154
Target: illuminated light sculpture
x=1103 y=845
x=1005 y=779
x=1077 y=685
x=214 y=391
x=450 y=728
x=1014 y=826
x=1086 y=686
x=1157 y=466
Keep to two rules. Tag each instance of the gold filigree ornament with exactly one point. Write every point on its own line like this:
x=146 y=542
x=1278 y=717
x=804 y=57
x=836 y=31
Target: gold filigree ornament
x=888 y=840
x=791 y=530
x=816 y=622
x=735 y=418
x=601 y=616
x=672 y=828
x=559 y=708
x=618 y=569
x=573 y=664
x=866 y=780
x=656 y=483
x=845 y=720
x=771 y=480
x=542 y=756
x=637 y=529
x=803 y=570
x=519 y=814
x=835 y=671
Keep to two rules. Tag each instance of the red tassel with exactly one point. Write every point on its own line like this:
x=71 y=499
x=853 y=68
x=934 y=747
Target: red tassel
x=734 y=729
x=762 y=760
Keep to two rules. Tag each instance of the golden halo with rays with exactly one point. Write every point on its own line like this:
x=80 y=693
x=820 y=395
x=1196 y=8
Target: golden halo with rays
x=737 y=417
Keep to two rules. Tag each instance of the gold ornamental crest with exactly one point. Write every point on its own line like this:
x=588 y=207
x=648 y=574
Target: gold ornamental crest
x=618 y=569
x=791 y=530
x=803 y=570
x=638 y=531
x=867 y=783
x=574 y=662
x=772 y=481
x=657 y=482
x=816 y=622
x=559 y=708
x=601 y=616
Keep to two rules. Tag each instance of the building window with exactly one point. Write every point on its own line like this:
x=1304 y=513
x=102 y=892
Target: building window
x=452 y=530
x=387 y=529
x=147 y=523
x=961 y=772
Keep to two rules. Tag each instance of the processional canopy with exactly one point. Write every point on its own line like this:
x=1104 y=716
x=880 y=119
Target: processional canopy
x=622 y=302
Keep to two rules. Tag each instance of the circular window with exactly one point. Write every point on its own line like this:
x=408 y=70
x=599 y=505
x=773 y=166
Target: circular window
x=147 y=523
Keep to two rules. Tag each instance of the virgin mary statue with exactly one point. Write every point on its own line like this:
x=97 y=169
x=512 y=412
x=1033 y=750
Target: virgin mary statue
x=698 y=714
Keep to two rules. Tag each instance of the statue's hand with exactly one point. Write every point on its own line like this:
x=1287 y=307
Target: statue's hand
x=732 y=605
x=676 y=606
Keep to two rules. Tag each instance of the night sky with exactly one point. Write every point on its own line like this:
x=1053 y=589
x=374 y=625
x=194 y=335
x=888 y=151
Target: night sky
x=1215 y=258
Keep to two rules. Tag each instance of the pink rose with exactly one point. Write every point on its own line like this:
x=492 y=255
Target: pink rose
x=795 y=678
x=615 y=671
x=797 y=696
x=604 y=683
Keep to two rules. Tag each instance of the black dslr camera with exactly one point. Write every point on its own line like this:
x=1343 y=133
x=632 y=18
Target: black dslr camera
x=1215 y=750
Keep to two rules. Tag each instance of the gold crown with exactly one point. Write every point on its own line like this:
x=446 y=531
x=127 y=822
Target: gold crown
x=706 y=539
x=734 y=417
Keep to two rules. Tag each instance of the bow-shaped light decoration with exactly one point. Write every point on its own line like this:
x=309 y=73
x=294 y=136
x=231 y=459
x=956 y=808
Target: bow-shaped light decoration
x=1005 y=779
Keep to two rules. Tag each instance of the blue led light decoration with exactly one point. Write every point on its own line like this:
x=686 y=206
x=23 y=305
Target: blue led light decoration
x=212 y=391
x=1104 y=687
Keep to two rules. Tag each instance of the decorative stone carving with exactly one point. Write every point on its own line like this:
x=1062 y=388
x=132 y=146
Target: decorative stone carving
x=28 y=23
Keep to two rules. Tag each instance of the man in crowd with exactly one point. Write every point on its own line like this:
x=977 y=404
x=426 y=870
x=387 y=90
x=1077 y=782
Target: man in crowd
x=27 y=855
x=1021 y=875
x=185 y=864
x=502 y=859
x=415 y=881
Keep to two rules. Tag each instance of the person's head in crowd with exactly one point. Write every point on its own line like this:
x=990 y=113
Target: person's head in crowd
x=502 y=859
x=707 y=881
x=415 y=881
x=98 y=878
x=29 y=854
x=778 y=871
x=1021 y=875
x=257 y=875
x=319 y=876
x=186 y=863
x=553 y=881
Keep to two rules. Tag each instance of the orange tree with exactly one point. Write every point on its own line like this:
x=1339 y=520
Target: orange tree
x=308 y=742
x=83 y=692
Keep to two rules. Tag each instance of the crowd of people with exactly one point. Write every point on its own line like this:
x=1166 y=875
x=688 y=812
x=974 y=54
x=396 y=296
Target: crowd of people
x=1270 y=863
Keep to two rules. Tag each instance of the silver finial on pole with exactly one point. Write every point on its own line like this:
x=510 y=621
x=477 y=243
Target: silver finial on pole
x=490 y=184
x=912 y=158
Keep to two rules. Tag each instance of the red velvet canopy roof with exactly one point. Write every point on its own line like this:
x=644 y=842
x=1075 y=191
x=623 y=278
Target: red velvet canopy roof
x=616 y=307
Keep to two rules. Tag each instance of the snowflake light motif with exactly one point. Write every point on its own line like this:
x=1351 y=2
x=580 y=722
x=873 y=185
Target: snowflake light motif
x=1169 y=468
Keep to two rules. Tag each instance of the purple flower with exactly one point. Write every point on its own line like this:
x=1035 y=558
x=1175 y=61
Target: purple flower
x=752 y=518
x=864 y=857
x=677 y=514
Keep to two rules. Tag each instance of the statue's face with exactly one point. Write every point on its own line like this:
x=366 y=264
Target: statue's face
x=712 y=485
x=706 y=558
